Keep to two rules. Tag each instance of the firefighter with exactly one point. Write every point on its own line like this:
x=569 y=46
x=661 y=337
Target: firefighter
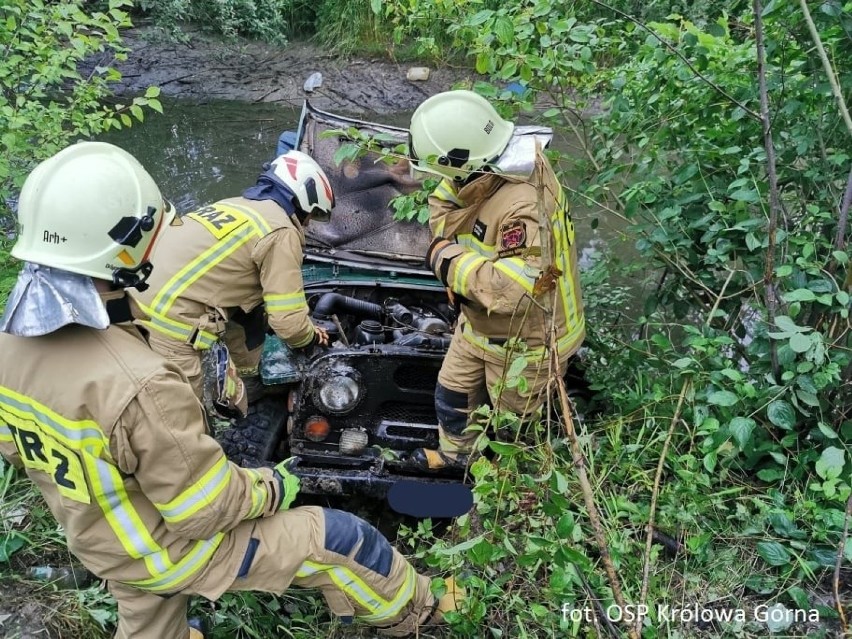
x=234 y=265
x=117 y=442
x=485 y=220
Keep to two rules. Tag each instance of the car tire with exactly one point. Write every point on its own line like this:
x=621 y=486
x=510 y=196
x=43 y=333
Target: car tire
x=254 y=440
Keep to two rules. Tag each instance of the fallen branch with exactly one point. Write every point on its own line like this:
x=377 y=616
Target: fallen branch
x=588 y=493
x=649 y=528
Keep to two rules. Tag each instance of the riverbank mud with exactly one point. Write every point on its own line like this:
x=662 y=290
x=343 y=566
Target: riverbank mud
x=208 y=69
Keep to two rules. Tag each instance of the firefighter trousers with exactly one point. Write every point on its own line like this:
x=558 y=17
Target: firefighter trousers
x=358 y=572
x=470 y=377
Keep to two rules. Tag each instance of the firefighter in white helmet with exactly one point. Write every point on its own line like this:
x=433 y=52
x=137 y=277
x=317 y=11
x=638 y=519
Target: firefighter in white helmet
x=117 y=442
x=485 y=219
x=231 y=268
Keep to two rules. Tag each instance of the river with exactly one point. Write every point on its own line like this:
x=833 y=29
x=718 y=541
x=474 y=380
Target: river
x=202 y=152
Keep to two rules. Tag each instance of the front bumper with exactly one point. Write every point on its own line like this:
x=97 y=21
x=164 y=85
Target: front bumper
x=372 y=482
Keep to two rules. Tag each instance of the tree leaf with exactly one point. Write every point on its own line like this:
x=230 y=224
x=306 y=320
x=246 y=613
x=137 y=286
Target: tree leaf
x=800 y=343
x=504 y=30
x=830 y=464
x=458 y=548
x=741 y=429
x=376 y=6
x=517 y=367
x=746 y=195
x=781 y=414
x=773 y=553
x=786 y=324
x=505 y=449
x=799 y=597
x=723 y=398
x=769 y=475
x=565 y=526
x=800 y=295
x=9 y=545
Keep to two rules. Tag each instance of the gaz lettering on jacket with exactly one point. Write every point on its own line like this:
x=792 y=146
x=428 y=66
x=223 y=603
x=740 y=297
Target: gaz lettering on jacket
x=41 y=452
x=218 y=220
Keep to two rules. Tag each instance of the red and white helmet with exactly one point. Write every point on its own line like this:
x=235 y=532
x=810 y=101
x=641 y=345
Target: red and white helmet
x=301 y=173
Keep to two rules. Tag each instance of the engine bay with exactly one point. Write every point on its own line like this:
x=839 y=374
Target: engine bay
x=417 y=319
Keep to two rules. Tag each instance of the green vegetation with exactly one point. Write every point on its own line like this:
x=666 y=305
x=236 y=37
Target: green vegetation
x=46 y=99
x=339 y=25
x=724 y=406
x=728 y=417
x=264 y=20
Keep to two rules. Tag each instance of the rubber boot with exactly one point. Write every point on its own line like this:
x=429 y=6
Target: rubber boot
x=450 y=602
x=429 y=459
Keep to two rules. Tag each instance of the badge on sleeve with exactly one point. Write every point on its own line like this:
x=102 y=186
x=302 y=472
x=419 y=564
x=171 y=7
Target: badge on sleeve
x=479 y=229
x=513 y=235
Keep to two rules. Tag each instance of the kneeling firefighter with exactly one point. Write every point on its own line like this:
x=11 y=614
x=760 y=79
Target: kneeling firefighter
x=233 y=267
x=485 y=217
x=117 y=442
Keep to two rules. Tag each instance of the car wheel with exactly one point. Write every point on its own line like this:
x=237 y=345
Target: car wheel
x=253 y=440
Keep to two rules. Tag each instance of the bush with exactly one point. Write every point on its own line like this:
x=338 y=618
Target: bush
x=262 y=19
x=45 y=100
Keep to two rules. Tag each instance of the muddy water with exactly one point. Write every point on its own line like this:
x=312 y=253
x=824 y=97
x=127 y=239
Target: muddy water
x=200 y=153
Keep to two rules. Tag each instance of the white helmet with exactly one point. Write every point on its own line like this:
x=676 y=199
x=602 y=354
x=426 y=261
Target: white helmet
x=456 y=133
x=92 y=209
x=311 y=186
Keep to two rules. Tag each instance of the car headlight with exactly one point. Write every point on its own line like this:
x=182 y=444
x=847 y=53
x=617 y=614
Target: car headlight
x=339 y=394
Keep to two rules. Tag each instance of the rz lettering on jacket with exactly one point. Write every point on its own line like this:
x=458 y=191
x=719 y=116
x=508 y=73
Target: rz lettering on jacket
x=218 y=220
x=41 y=452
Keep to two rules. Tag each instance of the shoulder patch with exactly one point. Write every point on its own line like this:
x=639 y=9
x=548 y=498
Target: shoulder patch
x=513 y=235
x=479 y=229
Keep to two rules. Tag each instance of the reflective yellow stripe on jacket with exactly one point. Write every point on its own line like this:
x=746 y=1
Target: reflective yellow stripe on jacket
x=564 y=344
x=253 y=226
x=105 y=483
x=445 y=191
x=285 y=302
x=354 y=587
x=200 y=339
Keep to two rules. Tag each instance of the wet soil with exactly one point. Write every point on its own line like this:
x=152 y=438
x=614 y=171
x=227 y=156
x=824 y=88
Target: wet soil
x=205 y=69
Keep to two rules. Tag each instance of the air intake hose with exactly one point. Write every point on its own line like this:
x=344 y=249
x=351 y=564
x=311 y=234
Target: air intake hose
x=335 y=303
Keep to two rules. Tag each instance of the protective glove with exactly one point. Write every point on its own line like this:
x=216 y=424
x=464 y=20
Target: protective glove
x=288 y=482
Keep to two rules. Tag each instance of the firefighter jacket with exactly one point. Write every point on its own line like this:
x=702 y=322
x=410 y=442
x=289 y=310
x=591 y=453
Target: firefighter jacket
x=117 y=443
x=495 y=260
x=235 y=254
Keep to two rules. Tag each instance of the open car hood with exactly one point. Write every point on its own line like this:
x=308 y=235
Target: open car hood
x=362 y=228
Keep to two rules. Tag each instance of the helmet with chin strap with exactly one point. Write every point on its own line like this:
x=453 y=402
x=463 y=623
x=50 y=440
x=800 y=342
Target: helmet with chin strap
x=308 y=182
x=456 y=133
x=94 y=210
